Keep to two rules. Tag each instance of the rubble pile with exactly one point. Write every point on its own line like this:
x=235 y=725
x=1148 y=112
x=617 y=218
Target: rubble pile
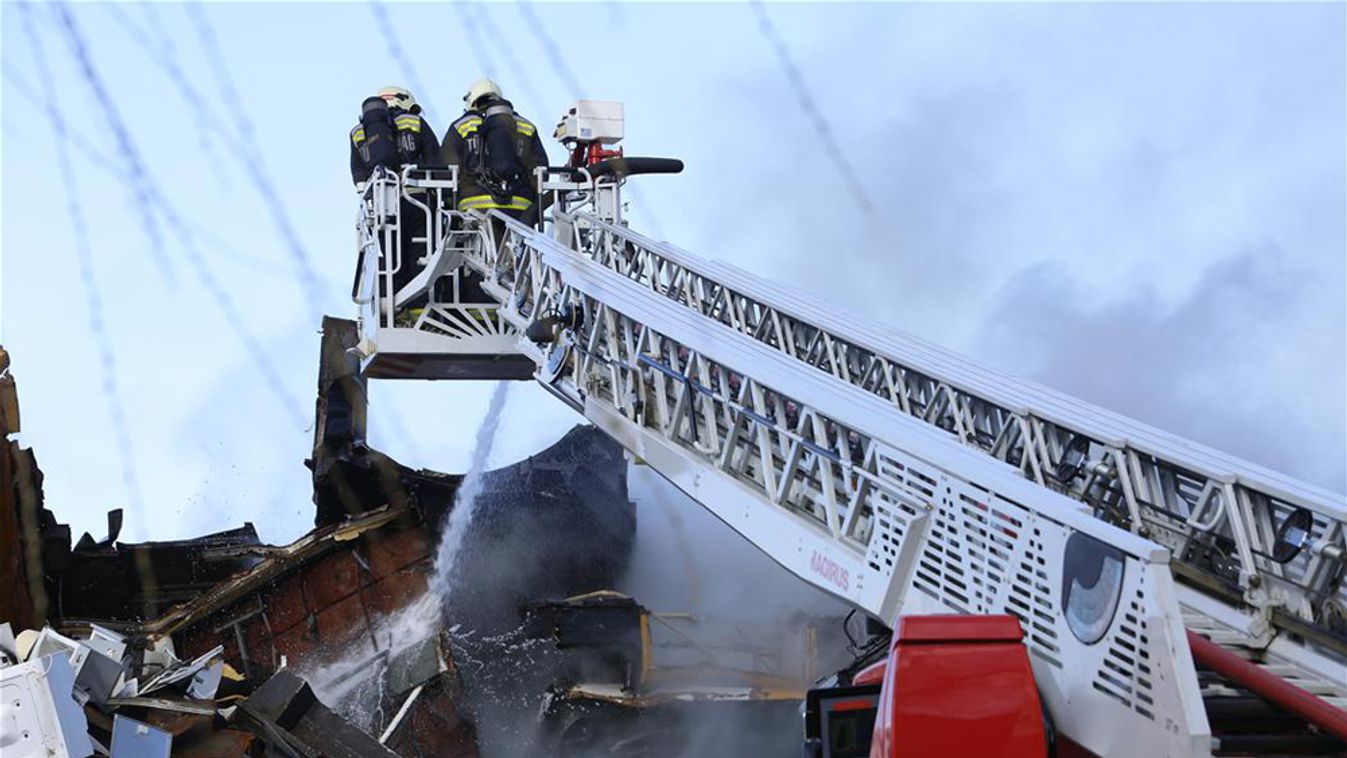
x=342 y=643
x=214 y=646
x=106 y=694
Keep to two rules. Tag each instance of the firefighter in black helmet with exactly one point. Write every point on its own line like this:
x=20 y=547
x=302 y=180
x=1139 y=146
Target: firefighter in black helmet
x=392 y=135
x=496 y=150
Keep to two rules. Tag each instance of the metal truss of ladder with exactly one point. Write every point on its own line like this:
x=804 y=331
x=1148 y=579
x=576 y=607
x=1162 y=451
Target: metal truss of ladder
x=856 y=496
x=1217 y=514
x=834 y=446
x=1278 y=659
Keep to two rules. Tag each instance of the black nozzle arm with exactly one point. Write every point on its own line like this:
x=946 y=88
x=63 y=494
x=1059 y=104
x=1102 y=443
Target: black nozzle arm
x=634 y=166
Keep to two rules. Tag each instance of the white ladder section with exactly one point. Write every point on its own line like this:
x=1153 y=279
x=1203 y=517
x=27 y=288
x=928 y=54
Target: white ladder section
x=1190 y=498
x=858 y=498
x=906 y=479
x=1211 y=510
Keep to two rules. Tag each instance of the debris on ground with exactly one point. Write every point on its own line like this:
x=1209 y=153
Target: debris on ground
x=222 y=645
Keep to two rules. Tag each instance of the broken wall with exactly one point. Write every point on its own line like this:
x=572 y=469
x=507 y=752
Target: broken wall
x=23 y=598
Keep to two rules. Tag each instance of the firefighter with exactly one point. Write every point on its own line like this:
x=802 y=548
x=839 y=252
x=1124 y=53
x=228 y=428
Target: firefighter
x=392 y=135
x=496 y=150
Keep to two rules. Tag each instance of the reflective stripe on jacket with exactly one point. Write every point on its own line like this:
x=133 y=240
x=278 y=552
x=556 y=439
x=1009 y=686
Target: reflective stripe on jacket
x=416 y=145
x=405 y=122
x=462 y=139
x=485 y=202
x=469 y=124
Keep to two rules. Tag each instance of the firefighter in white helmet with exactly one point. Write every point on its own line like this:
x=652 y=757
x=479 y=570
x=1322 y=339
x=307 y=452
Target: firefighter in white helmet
x=392 y=135
x=497 y=151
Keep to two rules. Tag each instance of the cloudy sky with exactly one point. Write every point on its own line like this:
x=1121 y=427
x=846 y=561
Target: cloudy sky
x=1139 y=204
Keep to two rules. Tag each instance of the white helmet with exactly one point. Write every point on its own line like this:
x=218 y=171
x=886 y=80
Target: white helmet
x=480 y=89
x=399 y=97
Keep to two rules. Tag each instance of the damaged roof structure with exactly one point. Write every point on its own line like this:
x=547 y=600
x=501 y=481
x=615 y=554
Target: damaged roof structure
x=203 y=644
x=342 y=643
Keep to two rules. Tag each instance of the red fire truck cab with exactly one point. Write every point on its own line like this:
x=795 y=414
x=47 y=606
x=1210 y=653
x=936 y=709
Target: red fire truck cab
x=950 y=686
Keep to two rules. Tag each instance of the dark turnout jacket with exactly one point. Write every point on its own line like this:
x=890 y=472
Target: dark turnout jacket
x=463 y=145
x=391 y=138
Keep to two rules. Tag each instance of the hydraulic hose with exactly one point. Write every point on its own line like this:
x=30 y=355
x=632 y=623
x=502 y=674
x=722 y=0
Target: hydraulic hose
x=634 y=166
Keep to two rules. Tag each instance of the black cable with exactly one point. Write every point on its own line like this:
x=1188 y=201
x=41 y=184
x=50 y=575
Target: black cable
x=467 y=16
x=134 y=167
x=210 y=44
x=101 y=160
x=156 y=23
x=252 y=160
x=395 y=50
x=550 y=48
x=165 y=54
x=518 y=72
x=97 y=157
x=206 y=116
x=98 y=327
x=234 y=317
x=189 y=234
x=814 y=114
x=210 y=47
x=567 y=76
x=156 y=200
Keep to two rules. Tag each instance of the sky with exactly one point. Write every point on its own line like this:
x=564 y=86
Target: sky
x=1138 y=204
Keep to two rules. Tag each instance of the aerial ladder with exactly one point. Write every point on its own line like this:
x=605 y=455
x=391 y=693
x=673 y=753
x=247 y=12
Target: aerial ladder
x=1163 y=588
